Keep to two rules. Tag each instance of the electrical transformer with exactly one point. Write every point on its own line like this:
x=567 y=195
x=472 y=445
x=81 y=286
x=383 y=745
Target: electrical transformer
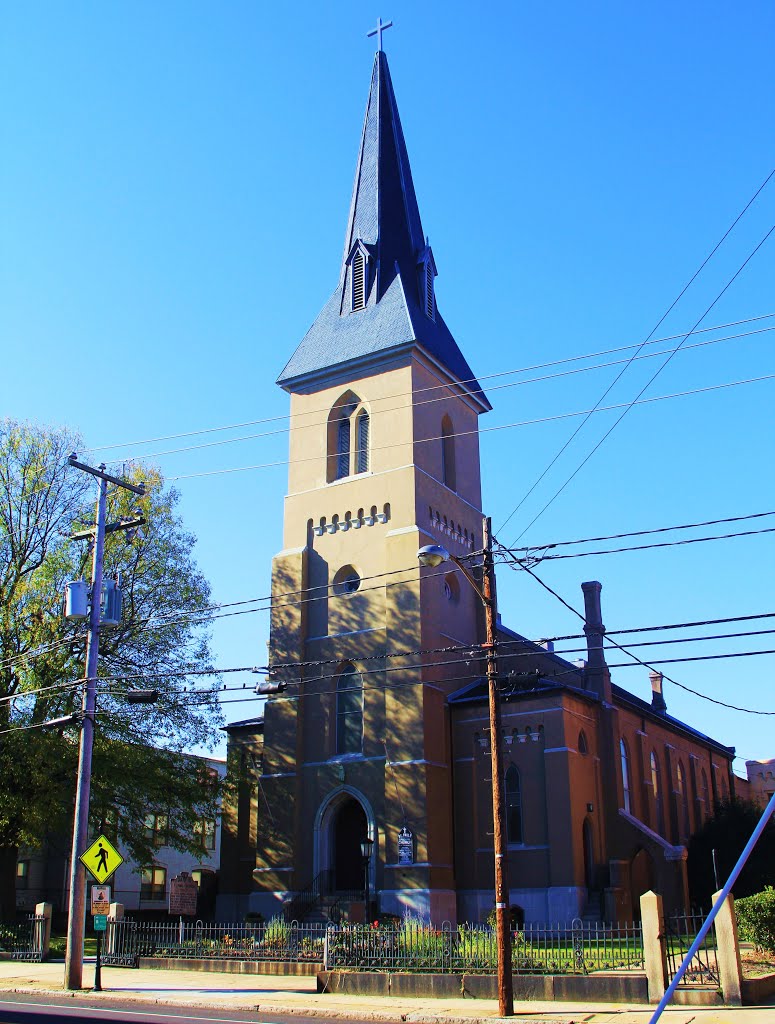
x=111 y=605
x=76 y=600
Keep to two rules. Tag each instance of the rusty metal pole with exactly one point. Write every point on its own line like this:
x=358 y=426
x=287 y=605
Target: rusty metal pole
x=503 y=922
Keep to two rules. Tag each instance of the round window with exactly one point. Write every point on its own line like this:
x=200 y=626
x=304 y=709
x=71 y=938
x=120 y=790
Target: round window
x=346 y=581
x=451 y=588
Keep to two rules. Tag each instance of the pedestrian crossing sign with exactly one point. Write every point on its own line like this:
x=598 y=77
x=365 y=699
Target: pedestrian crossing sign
x=101 y=859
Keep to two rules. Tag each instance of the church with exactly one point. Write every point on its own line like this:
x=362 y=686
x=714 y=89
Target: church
x=366 y=781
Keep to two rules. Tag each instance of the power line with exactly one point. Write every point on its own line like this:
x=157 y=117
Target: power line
x=21 y=694
x=37 y=652
x=650 y=381
x=535 y=559
x=472 y=652
x=635 y=658
x=322 y=590
x=485 y=430
x=419 y=391
x=441 y=398
x=653 y=330
x=643 y=533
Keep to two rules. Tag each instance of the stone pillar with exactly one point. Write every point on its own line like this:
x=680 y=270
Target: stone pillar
x=42 y=942
x=111 y=937
x=654 y=953
x=728 y=952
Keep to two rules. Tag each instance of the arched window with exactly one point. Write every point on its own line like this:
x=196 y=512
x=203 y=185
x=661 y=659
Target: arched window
x=625 y=758
x=448 y=473
x=362 y=441
x=583 y=746
x=656 y=785
x=706 y=794
x=348 y=438
x=513 y=805
x=349 y=711
x=683 y=799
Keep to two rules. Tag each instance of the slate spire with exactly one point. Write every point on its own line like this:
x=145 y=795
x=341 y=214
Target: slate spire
x=386 y=249
x=383 y=210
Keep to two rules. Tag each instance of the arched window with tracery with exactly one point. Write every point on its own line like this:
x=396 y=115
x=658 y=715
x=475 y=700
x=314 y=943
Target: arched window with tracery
x=349 y=711
x=513 y=802
x=625 y=758
x=448 y=468
x=349 y=438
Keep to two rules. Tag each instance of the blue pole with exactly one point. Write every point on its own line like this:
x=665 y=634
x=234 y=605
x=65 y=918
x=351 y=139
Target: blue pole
x=768 y=810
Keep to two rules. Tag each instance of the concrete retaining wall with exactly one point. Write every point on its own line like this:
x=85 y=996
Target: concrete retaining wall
x=606 y=988
x=755 y=991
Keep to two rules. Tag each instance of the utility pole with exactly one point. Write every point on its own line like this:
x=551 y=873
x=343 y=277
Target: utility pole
x=502 y=913
x=432 y=555
x=77 y=915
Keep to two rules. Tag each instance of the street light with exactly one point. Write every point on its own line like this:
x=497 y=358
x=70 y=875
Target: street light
x=366 y=845
x=431 y=556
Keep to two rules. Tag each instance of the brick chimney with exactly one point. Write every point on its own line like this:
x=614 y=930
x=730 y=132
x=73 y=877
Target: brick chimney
x=657 y=697
x=597 y=674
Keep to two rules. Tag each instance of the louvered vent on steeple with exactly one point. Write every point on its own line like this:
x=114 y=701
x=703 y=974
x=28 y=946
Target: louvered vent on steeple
x=426 y=271
x=359 y=282
x=430 y=304
x=358 y=262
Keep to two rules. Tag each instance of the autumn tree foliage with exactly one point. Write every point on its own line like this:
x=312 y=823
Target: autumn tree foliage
x=140 y=765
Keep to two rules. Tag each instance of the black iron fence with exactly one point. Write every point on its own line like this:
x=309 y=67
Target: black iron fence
x=535 y=949
x=126 y=941
x=412 y=946
x=24 y=939
x=680 y=932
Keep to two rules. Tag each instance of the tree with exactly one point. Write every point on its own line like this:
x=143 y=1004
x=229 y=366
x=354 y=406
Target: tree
x=139 y=765
x=727 y=831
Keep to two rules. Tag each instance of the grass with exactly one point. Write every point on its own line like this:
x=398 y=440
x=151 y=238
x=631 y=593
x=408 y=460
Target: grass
x=59 y=945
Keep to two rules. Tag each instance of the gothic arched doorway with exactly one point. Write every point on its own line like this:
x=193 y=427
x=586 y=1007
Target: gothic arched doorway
x=349 y=828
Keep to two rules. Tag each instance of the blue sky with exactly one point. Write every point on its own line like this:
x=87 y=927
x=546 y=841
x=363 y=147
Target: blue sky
x=174 y=188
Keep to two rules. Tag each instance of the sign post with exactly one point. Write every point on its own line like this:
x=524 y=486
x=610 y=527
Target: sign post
x=101 y=860
x=100 y=908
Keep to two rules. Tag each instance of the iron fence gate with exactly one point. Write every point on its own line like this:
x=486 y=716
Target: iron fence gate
x=680 y=932
x=24 y=939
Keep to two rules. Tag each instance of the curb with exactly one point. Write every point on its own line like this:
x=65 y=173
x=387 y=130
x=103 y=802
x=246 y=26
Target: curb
x=355 y=1014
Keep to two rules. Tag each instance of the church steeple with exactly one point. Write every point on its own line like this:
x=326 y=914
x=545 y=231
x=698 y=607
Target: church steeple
x=385 y=299
x=383 y=212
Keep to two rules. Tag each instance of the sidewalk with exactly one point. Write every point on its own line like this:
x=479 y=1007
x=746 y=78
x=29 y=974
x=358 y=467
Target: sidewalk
x=277 y=995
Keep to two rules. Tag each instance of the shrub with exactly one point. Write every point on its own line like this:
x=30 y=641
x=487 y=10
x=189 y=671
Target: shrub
x=756 y=918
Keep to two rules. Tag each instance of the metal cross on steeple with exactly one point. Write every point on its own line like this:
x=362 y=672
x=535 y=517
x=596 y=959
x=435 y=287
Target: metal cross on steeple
x=381 y=26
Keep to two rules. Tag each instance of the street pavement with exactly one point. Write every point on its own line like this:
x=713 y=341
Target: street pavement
x=280 y=995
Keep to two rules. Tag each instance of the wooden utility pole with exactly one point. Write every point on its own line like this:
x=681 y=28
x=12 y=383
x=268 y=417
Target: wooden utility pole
x=502 y=912
x=77 y=910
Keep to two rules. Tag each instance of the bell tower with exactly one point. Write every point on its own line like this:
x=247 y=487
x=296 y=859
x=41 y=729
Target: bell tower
x=384 y=458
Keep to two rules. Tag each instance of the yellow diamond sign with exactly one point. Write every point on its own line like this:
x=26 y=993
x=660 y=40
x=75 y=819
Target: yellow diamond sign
x=101 y=859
